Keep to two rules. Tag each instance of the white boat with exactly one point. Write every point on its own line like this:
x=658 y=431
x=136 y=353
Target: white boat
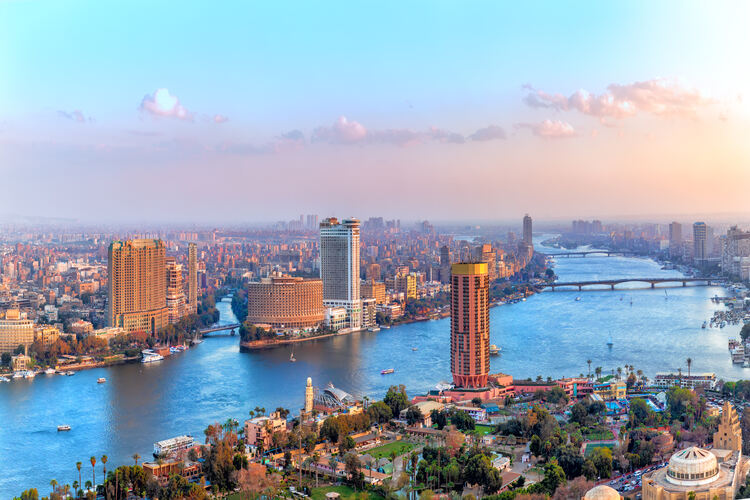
x=18 y=374
x=61 y=428
x=578 y=299
x=292 y=358
x=29 y=374
x=101 y=380
x=385 y=326
x=70 y=373
x=4 y=379
x=494 y=350
x=414 y=348
x=609 y=342
x=387 y=371
x=373 y=329
x=49 y=371
x=150 y=356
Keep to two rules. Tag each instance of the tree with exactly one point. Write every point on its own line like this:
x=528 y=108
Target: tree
x=602 y=459
x=745 y=332
x=476 y=401
x=93 y=469
x=78 y=466
x=578 y=413
x=315 y=461
x=439 y=418
x=6 y=358
x=576 y=488
x=589 y=470
x=136 y=457
x=379 y=412
x=462 y=421
x=554 y=476
x=588 y=361
x=352 y=466
x=413 y=415
x=396 y=399
x=104 y=464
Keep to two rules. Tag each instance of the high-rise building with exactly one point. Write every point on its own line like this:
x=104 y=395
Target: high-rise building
x=15 y=331
x=699 y=241
x=675 y=238
x=137 y=285
x=285 y=302
x=309 y=396
x=470 y=325
x=485 y=253
x=339 y=266
x=527 y=233
x=445 y=264
x=175 y=293
x=192 y=298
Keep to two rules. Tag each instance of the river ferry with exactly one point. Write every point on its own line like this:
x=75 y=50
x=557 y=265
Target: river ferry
x=387 y=371
x=62 y=428
x=150 y=356
x=494 y=350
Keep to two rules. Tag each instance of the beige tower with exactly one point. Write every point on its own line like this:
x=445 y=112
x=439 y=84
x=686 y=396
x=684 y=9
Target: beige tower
x=137 y=285
x=729 y=435
x=308 y=397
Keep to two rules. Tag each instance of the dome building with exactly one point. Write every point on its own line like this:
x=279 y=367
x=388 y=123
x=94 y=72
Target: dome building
x=602 y=492
x=714 y=474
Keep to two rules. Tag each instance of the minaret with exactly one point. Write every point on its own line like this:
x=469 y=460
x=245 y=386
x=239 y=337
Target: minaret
x=308 y=397
x=729 y=435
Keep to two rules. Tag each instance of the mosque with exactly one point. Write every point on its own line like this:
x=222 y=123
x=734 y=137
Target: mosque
x=696 y=473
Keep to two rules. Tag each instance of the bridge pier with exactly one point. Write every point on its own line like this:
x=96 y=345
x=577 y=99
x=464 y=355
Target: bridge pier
x=684 y=283
x=580 y=288
x=612 y=286
x=653 y=285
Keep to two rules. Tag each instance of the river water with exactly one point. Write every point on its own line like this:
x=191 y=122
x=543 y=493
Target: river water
x=550 y=334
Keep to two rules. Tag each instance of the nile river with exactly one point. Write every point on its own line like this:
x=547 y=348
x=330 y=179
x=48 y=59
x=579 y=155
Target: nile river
x=548 y=334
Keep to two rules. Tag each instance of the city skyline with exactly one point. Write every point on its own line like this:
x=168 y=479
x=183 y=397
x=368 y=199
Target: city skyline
x=249 y=117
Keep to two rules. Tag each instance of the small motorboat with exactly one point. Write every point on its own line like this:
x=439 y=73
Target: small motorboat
x=414 y=348
x=49 y=371
x=61 y=428
x=101 y=380
x=18 y=374
x=70 y=373
x=4 y=379
x=578 y=299
x=387 y=371
x=29 y=374
x=494 y=350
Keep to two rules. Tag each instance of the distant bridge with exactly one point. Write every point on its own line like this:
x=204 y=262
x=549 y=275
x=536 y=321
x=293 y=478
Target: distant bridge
x=611 y=283
x=607 y=253
x=220 y=328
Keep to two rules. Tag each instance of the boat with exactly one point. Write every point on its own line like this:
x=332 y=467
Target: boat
x=150 y=356
x=4 y=379
x=703 y=325
x=494 y=350
x=49 y=371
x=609 y=342
x=292 y=358
x=70 y=373
x=18 y=374
x=385 y=326
x=373 y=329
x=101 y=380
x=29 y=374
x=746 y=364
x=61 y=428
x=414 y=348
x=387 y=371
x=578 y=299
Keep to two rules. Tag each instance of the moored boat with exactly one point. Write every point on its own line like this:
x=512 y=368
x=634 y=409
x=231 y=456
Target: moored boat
x=4 y=379
x=49 y=371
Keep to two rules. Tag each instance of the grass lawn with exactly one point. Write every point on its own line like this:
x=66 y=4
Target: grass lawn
x=384 y=451
x=484 y=429
x=599 y=436
x=344 y=491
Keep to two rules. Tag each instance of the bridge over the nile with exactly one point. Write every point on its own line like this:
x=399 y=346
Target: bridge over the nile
x=221 y=328
x=605 y=253
x=676 y=281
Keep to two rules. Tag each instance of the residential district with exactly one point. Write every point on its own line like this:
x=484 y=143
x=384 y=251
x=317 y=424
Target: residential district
x=76 y=300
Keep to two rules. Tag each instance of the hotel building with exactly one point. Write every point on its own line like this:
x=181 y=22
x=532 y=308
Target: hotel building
x=15 y=331
x=286 y=302
x=470 y=325
x=176 y=307
x=339 y=267
x=527 y=233
x=137 y=286
x=192 y=298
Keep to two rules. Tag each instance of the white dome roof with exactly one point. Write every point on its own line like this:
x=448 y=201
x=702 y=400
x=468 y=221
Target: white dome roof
x=601 y=492
x=692 y=466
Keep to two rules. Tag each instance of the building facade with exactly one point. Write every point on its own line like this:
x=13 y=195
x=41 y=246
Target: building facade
x=137 y=285
x=700 y=232
x=15 y=331
x=176 y=306
x=339 y=267
x=470 y=325
x=192 y=298
x=527 y=230
x=286 y=302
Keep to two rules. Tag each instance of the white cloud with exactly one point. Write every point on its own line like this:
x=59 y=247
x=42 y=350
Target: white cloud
x=489 y=133
x=220 y=119
x=75 y=115
x=550 y=129
x=162 y=103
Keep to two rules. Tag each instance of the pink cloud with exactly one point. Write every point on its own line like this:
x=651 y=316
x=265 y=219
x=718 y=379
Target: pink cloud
x=75 y=115
x=342 y=131
x=220 y=119
x=659 y=97
x=489 y=133
x=287 y=142
x=345 y=131
x=550 y=129
x=162 y=103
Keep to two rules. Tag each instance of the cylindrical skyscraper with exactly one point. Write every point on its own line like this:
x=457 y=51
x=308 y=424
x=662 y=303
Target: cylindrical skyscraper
x=470 y=325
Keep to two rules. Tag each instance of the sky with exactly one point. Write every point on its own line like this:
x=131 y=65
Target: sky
x=210 y=112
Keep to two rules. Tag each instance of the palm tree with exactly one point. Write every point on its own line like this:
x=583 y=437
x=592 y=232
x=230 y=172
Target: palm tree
x=136 y=457
x=75 y=487
x=589 y=362
x=88 y=485
x=104 y=463
x=619 y=372
x=53 y=483
x=598 y=371
x=93 y=468
x=315 y=460
x=78 y=466
x=689 y=363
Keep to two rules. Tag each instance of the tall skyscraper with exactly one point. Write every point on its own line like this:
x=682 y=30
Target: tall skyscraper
x=527 y=233
x=675 y=233
x=470 y=325
x=700 y=231
x=192 y=278
x=137 y=285
x=339 y=266
x=175 y=292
